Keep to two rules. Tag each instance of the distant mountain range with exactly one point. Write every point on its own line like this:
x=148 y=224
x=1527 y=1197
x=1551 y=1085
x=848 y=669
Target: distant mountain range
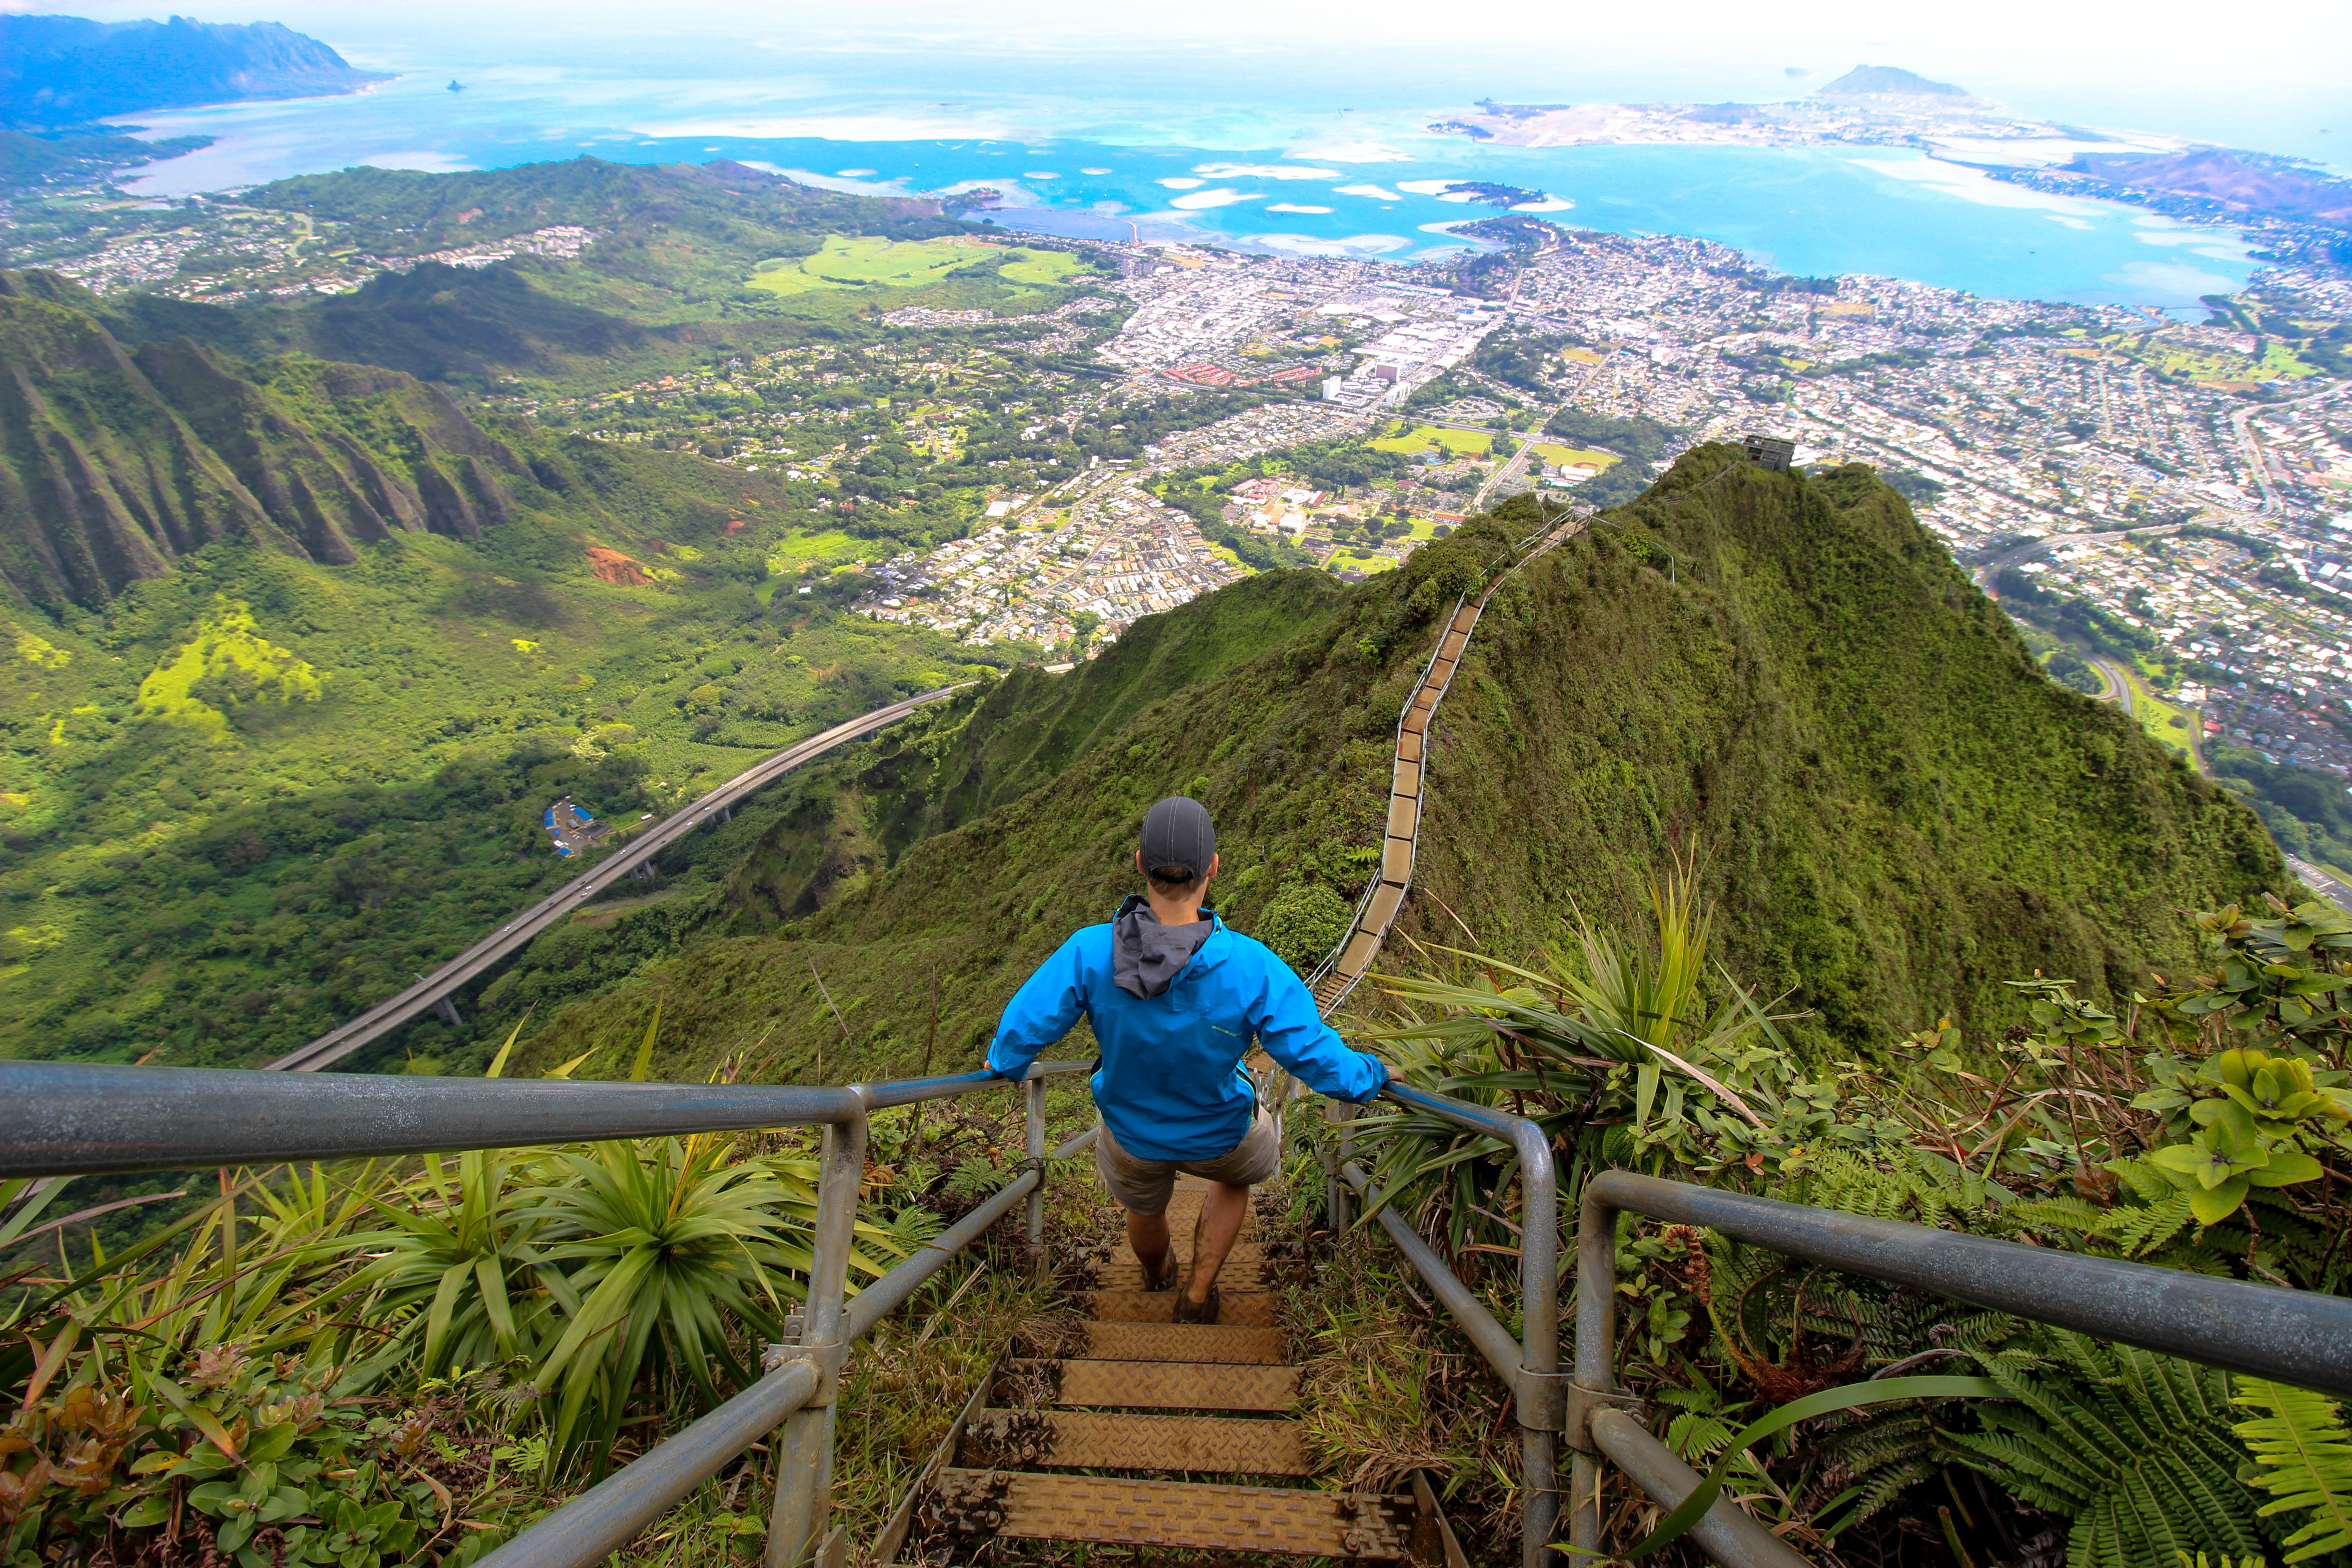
x=69 y=70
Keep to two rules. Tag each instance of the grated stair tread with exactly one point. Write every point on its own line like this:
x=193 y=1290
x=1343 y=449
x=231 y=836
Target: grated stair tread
x=1149 y=1384
x=1219 y=1342
x=1253 y=1309
x=1094 y=1440
x=1122 y=1510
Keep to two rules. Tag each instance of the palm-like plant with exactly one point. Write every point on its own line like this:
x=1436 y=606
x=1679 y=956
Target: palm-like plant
x=670 y=1241
x=1598 y=1031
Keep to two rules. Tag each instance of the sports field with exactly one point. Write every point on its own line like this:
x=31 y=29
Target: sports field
x=866 y=261
x=1429 y=437
x=1558 y=455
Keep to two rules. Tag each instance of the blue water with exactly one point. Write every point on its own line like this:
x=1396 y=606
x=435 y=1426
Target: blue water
x=1224 y=174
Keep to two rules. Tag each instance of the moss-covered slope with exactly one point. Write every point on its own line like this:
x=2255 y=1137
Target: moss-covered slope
x=1895 y=810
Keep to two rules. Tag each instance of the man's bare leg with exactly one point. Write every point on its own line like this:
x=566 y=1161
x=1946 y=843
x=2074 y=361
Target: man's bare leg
x=1222 y=1210
x=1147 y=1236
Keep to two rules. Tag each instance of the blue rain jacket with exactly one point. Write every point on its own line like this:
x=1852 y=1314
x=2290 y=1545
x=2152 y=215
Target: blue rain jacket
x=1171 y=1085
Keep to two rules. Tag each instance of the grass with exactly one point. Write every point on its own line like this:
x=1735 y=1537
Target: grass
x=1557 y=455
x=866 y=261
x=2169 y=724
x=1422 y=437
x=870 y=262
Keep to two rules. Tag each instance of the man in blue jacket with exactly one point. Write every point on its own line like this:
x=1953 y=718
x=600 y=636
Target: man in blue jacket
x=1177 y=999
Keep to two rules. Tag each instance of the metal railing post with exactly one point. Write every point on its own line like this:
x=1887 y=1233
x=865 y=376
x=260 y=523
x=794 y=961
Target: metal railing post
x=1335 y=1199
x=1034 y=1096
x=1539 y=1333
x=1596 y=1340
x=804 y=1454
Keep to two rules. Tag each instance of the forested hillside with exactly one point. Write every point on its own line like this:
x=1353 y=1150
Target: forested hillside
x=1895 y=810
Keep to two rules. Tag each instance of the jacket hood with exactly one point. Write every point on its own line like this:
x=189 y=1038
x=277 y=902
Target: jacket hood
x=1146 y=956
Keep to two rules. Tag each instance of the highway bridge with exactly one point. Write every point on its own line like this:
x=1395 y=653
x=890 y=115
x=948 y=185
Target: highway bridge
x=511 y=937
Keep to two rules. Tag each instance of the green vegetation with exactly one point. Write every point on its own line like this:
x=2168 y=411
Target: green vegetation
x=1898 y=807
x=869 y=261
x=1434 y=438
x=2187 y=1130
x=368 y=1366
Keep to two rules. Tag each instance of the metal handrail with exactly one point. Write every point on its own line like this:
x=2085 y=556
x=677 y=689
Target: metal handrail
x=2262 y=1330
x=60 y=1119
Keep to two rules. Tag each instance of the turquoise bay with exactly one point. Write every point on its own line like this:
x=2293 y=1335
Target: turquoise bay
x=1367 y=185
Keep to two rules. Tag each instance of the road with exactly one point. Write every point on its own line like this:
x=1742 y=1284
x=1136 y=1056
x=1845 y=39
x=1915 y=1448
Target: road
x=558 y=906
x=2118 y=686
x=2320 y=882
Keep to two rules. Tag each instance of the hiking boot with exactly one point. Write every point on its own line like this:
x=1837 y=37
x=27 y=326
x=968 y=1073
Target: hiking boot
x=1188 y=1311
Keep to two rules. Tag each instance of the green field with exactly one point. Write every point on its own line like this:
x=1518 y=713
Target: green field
x=1425 y=438
x=1550 y=452
x=866 y=262
x=869 y=261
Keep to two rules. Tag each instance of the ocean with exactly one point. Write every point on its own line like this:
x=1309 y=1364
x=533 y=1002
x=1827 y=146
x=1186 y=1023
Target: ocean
x=1345 y=182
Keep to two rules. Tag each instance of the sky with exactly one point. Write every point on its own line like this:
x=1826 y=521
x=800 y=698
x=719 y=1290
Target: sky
x=2281 y=84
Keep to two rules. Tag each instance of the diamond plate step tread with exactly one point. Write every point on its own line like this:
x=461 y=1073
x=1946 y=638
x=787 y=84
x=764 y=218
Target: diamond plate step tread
x=1236 y=1275
x=1000 y=1440
x=1182 y=1241
x=1218 y=1342
x=1121 y=1511
x=1253 y=1309
x=1149 y=1384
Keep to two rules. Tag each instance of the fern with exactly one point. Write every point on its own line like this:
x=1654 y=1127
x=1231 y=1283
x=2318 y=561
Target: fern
x=2303 y=1459
x=2134 y=1448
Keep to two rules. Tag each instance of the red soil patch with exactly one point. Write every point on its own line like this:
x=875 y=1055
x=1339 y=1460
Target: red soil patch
x=612 y=566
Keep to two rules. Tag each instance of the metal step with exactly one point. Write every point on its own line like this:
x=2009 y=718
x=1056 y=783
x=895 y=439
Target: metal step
x=1235 y=1274
x=1180 y=1242
x=1253 y=1309
x=1088 y=1441
x=1219 y=1342
x=1149 y=1384
x=1121 y=1511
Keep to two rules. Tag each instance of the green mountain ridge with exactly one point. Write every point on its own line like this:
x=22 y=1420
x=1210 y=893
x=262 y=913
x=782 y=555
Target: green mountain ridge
x=1895 y=811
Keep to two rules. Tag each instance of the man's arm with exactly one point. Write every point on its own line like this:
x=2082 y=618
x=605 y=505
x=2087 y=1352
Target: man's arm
x=1040 y=1013
x=1294 y=1035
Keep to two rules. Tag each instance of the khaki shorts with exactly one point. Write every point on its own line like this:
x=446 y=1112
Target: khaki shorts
x=1144 y=1186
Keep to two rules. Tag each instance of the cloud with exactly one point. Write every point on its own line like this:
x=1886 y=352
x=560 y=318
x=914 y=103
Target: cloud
x=1313 y=245
x=1550 y=204
x=1183 y=184
x=1427 y=187
x=1264 y=171
x=1220 y=196
x=1287 y=207
x=1094 y=171
x=1374 y=192
x=1040 y=175
x=854 y=174
x=2070 y=220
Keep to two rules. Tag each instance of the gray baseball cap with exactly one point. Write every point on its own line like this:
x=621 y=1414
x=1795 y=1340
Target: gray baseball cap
x=1176 y=832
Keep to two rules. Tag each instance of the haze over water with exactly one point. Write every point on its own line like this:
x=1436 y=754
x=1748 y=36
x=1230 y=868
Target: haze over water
x=1228 y=149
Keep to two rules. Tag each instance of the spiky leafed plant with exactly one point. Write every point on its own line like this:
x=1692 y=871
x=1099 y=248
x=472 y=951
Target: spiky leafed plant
x=668 y=1243
x=1607 y=1031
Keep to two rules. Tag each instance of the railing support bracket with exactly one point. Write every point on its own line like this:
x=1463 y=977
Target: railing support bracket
x=1582 y=1403
x=828 y=1360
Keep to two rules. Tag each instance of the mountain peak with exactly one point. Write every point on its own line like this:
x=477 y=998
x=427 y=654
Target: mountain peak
x=1888 y=81
x=66 y=70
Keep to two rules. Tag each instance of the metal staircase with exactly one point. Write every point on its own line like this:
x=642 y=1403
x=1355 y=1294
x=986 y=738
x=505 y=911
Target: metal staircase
x=1076 y=1437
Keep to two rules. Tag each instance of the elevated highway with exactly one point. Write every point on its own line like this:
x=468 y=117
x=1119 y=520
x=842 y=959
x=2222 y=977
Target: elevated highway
x=518 y=933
